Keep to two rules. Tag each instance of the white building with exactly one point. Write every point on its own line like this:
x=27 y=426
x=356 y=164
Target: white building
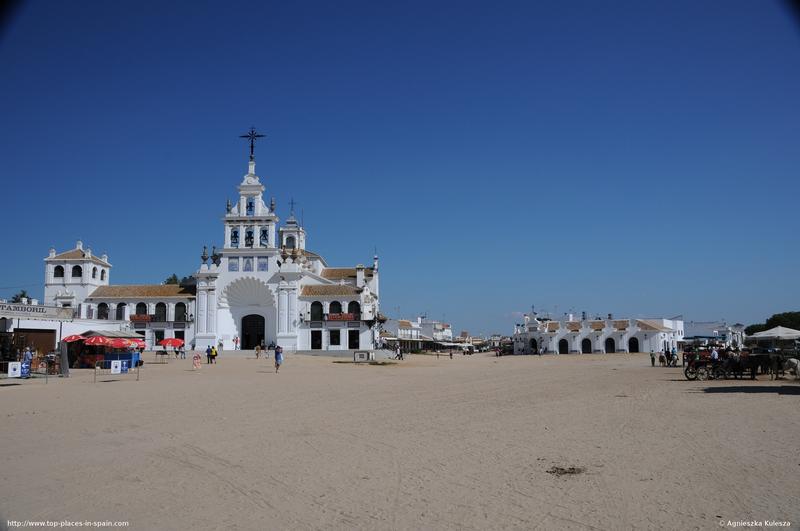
x=72 y=275
x=405 y=332
x=264 y=286
x=718 y=332
x=570 y=336
x=435 y=330
x=79 y=280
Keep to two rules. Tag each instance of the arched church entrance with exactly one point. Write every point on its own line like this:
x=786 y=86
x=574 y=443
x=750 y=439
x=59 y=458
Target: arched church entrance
x=633 y=344
x=586 y=346
x=253 y=327
x=534 y=347
x=563 y=347
x=611 y=346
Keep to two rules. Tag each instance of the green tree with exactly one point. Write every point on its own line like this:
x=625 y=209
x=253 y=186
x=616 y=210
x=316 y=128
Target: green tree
x=172 y=279
x=19 y=296
x=785 y=319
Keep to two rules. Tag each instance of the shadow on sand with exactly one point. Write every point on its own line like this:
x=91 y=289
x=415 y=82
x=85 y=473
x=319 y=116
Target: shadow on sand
x=779 y=389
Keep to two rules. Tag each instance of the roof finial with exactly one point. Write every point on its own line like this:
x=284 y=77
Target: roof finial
x=252 y=136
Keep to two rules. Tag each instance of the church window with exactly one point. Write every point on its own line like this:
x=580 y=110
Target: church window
x=58 y=272
x=251 y=207
x=263 y=263
x=77 y=271
x=247 y=263
x=354 y=307
x=335 y=338
x=102 y=274
x=233 y=264
x=121 y=311
x=180 y=312
x=248 y=238
x=264 y=238
x=336 y=307
x=94 y=272
x=316 y=311
x=290 y=242
x=234 y=238
x=141 y=309
x=102 y=311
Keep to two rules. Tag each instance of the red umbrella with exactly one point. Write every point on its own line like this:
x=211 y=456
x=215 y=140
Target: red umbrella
x=136 y=342
x=171 y=342
x=120 y=342
x=70 y=339
x=97 y=341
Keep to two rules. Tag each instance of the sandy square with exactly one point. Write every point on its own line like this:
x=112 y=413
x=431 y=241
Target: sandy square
x=476 y=442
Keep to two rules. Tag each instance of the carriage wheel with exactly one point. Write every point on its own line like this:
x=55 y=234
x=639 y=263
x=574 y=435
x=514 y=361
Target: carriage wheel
x=702 y=374
x=690 y=372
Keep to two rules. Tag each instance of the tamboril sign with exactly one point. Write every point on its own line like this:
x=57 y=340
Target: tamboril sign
x=35 y=311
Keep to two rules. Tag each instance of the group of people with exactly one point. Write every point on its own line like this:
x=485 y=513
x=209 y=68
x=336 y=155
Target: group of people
x=212 y=353
x=667 y=358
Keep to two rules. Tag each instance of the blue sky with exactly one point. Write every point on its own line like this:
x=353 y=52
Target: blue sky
x=639 y=158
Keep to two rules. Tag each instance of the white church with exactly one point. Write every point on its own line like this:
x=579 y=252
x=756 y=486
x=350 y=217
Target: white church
x=263 y=287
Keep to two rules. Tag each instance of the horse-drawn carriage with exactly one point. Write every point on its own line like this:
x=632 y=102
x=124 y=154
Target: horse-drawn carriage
x=701 y=367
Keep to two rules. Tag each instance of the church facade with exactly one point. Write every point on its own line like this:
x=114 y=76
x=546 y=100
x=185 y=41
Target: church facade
x=265 y=287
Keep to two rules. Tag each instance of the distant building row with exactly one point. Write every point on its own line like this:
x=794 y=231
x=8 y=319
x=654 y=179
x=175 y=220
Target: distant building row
x=588 y=336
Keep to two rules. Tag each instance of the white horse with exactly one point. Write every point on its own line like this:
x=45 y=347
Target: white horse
x=792 y=364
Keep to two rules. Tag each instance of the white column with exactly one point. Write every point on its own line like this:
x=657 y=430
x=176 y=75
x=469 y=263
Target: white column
x=292 y=314
x=201 y=311
x=170 y=311
x=112 y=311
x=211 y=312
x=282 y=310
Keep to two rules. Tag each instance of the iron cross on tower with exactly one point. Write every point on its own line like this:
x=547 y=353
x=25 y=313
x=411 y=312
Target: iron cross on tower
x=252 y=136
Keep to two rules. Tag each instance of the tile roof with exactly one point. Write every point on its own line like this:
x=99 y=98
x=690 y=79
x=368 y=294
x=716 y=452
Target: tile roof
x=77 y=254
x=402 y=323
x=143 y=291
x=338 y=273
x=328 y=290
x=652 y=325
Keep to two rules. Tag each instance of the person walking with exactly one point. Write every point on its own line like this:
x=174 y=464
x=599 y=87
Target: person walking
x=208 y=354
x=27 y=359
x=214 y=354
x=196 y=360
x=236 y=343
x=652 y=358
x=258 y=351
x=183 y=352
x=278 y=357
